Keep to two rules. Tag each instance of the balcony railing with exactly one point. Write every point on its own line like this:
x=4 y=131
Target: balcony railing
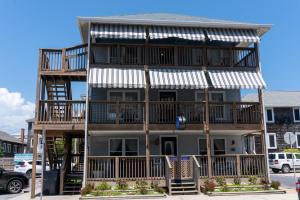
x=69 y=59
x=134 y=167
x=160 y=112
x=174 y=56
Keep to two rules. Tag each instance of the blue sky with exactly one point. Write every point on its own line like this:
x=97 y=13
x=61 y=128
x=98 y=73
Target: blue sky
x=27 y=26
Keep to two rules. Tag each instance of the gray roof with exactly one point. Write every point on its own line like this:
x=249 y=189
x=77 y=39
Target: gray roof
x=277 y=98
x=7 y=137
x=168 y=19
x=30 y=120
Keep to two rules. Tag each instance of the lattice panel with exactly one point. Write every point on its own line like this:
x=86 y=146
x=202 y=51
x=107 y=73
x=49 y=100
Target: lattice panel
x=186 y=170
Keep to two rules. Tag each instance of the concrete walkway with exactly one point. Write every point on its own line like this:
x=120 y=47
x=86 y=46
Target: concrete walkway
x=291 y=195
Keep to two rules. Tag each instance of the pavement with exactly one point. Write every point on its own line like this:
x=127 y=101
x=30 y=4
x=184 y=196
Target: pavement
x=287 y=180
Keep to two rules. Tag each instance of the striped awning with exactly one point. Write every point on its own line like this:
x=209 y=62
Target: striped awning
x=187 y=33
x=232 y=35
x=177 y=79
x=236 y=80
x=117 y=78
x=116 y=31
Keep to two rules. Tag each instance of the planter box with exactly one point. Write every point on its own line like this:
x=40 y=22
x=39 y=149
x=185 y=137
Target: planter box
x=246 y=192
x=158 y=196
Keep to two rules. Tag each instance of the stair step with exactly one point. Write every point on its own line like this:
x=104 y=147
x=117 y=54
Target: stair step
x=183 y=183
x=184 y=187
x=184 y=192
x=72 y=187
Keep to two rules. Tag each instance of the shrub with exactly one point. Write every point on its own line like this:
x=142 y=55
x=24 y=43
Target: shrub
x=237 y=181
x=122 y=185
x=275 y=185
x=252 y=180
x=103 y=186
x=143 y=190
x=265 y=183
x=87 y=189
x=291 y=150
x=156 y=188
x=209 y=185
x=142 y=186
x=221 y=181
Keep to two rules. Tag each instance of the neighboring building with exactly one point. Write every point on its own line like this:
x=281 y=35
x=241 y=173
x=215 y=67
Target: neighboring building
x=163 y=94
x=282 y=115
x=10 y=145
x=29 y=146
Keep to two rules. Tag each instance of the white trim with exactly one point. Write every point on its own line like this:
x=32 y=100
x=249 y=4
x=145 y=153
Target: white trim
x=273 y=116
x=160 y=143
x=296 y=108
x=123 y=144
x=268 y=140
x=297 y=142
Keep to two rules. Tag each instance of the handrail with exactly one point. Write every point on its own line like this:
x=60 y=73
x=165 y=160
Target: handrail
x=168 y=162
x=196 y=161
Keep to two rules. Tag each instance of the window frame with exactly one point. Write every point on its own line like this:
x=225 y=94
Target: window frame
x=294 y=117
x=225 y=145
x=273 y=116
x=297 y=142
x=201 y=138
x=124 y=145
x=275 y=141
x=4 y=146
x=8 y=148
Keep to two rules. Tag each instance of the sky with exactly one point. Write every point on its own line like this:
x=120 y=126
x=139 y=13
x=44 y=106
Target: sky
x=27 y=26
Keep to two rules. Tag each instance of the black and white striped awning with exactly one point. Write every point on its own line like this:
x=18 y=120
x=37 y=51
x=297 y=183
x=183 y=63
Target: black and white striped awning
x=117 y=78
x=187 y=33
x=232 y=35
x=236 y=80
x=177 y=79
x=116 y=31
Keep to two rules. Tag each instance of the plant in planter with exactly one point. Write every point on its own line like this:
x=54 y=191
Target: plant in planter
x=103 y=186
x=252 y=180
x=208 y=186
x=87 y=189
x=122 y=185
x=236 y=181
x=275 y=185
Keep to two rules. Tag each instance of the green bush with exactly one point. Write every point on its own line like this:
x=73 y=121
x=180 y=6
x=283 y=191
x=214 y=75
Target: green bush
x=237 y=181
x=122 y=185
x=103 y=186
x=291 y=150
x=208 y=185
x=275 y=185
x=87 y=189
x=252 y=180
x=221 y=181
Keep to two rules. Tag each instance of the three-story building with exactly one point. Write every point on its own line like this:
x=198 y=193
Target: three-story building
x=163 y=100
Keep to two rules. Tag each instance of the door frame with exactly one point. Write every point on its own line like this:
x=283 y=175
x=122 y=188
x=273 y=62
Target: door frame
x=160 y=142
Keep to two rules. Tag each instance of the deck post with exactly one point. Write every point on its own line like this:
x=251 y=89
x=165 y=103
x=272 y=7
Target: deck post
x=206 y=131
x=238 y=165
x=146 y=120
x=34 y=156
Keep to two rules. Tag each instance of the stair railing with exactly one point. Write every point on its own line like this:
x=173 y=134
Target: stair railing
x=168 y=167
x=196 y=169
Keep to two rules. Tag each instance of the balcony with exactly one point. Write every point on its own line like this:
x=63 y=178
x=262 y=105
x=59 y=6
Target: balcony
x=200 y=56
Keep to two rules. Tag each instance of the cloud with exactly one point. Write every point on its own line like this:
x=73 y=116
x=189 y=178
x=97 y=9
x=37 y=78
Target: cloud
x=14 y=110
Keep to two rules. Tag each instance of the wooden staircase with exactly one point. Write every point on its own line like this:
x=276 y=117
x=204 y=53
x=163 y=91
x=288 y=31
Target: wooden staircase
x=53 y=155
x=73 y=183
x=58 y=89
x=183 y=187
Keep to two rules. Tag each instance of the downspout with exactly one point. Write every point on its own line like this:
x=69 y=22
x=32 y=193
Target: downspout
x=86 y=113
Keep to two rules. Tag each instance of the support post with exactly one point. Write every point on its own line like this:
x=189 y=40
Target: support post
x=33 y=172
x=206 y=131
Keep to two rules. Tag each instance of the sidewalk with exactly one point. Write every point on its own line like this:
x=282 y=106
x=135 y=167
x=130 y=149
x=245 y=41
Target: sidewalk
x=291 y=195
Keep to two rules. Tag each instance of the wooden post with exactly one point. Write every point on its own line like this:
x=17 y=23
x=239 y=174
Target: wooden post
x=238 y=163
x=234 y=113
x=64 y=66
x=206 y=130
x=117 y=161
x=146 y=120
x=33 y=172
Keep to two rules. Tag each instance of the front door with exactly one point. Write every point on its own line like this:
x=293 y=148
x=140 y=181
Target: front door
x=167 y=108
x=169 y=146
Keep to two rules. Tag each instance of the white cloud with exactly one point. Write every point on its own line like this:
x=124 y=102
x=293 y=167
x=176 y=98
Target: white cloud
x=14 y=110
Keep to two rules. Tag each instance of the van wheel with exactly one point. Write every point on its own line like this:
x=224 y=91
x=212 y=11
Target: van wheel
x=285 y=169
x=29 y=173
x=275 y=171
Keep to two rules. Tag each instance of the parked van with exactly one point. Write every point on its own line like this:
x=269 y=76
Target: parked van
x=284 y=162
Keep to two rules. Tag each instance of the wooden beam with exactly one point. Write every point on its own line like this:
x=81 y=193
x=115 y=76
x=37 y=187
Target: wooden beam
x=34 y=156
x=206 y=131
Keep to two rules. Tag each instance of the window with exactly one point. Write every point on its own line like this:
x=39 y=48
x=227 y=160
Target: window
x=296 y=113
x=297 y=139
x=272 y=143
x=297 y=156
x=202 y=147
x=281 y=156
x=270 y=115
x=4 y=147
x=15 y=148
x=272 y=156
x=289 y=156
x=219 y=146
x=8 y=148
x=123 y=147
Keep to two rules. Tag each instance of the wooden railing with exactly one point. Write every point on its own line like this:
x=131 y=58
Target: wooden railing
x=68 y=59
x=114 y=112
x=159 y=55
x=253 y=165
x=76 y=162
x=203 y=162
x=66 y=111
x=234 y=112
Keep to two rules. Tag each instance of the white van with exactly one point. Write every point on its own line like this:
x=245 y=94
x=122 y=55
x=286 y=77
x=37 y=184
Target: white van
x=284 y=162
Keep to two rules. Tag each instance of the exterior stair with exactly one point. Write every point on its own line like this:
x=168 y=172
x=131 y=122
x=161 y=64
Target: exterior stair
x=53 y=157
x=183 y=187
x=73 y=183
x=58 y=89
